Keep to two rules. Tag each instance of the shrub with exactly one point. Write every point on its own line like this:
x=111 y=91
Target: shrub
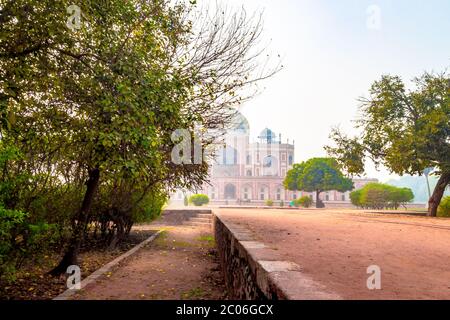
x=304 y=202
x=375 y=197
x=199 y=199
x=269 y=202
x=19 y=239
x=24 y=234
x=151 y=206
x=444 y=208
x=355 y=198
x=381 y=196
x=10 y=220
x=399 y=196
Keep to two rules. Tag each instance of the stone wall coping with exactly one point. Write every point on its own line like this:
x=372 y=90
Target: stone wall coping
x=188 y=210
x=274 y=276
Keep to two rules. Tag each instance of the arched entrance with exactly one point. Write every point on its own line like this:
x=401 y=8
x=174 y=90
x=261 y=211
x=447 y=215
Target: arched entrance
x=230 y=191
x=246 y=192
x=263 y=192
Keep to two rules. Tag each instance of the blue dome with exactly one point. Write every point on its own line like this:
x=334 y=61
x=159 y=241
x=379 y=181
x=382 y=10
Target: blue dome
x=267 y=136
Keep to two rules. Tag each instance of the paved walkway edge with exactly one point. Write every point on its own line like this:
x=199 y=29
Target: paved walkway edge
x=254 y=271
x=107 y=267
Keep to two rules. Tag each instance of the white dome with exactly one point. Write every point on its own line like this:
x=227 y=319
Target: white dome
x=240 y=124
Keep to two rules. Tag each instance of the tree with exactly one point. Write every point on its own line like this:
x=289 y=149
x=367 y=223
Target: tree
x=93 y=110
x=400 y=196
x=317 y=175
x=375 y=197
x=407 y=131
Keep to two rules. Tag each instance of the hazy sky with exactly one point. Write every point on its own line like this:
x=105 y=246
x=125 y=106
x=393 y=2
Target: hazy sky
x=332 y=51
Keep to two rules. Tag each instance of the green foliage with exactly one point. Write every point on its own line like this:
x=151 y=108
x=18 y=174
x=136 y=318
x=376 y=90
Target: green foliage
x=400 y=196
x=199 y=199
x=355 y=198
x=407 y=131
x=317 y=174
x=19 y=238
x=381 y=196
x=304 y=202
x=87 y=115
x=105 y=98
x=404 y=130
x=10 y=220
x=444 y=208
x=269 y=202
x=375 y=197
x=21 y=233
x=209 y=239
x=150 y=207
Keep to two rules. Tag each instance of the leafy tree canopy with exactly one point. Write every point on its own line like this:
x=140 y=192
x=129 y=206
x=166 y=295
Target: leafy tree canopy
x=405 y=130
x=317 y=175
x=93 y=108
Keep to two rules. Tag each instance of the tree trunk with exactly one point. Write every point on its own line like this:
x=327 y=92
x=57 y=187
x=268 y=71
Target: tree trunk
x=319 y=203
x=438 y=192
x=71 y=255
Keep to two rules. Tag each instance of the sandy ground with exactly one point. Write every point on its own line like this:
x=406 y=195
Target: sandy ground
x=180 y=264
x=335 y=248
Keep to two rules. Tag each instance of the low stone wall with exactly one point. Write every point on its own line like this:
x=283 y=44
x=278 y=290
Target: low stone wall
x=236 y=264
x=252 y=271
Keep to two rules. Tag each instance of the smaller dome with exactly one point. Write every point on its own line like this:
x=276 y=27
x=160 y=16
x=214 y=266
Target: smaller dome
x=267 y=136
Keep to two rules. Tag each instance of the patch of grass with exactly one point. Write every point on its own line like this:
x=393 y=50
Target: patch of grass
x=163 y=242
x=181 y=244
x=161 y=239
x=209 y=239
x=193 y=293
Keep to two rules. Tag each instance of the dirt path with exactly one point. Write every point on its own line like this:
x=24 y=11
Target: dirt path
x=180 y=264
x=336 y=248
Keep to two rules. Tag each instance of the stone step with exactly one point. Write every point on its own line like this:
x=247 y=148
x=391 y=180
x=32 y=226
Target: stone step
x=195 y=219
x=188 y=209
x=197 y=224
x=205 y=215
